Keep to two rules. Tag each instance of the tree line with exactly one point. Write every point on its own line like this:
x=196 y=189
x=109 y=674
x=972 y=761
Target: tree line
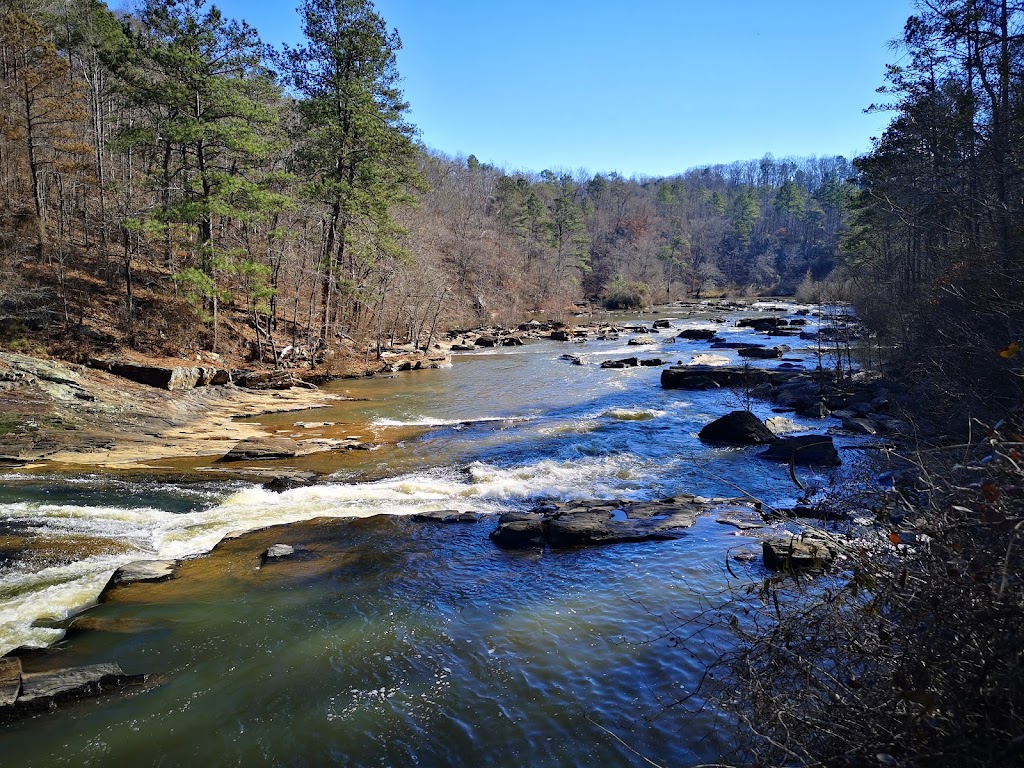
x=166 y=177
x=937 y=227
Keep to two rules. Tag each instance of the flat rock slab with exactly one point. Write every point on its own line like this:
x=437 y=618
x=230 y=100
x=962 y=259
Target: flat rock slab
x=447 y=516
x=695 y=377
x=10 y=680
x=805 y=450
x=262 y=449
x=743 y=525
x=40 y=690
x=796 y=552
x=597 y=522
x=142 y=570
x=172 y=378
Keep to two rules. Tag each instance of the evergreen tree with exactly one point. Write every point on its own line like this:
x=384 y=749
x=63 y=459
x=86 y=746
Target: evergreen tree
x=209 y=127
x=356 y=150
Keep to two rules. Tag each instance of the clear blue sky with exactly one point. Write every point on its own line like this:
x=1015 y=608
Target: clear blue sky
x=647 y=87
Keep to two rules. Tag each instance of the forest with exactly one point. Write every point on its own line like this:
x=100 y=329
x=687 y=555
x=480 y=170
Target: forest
x=169 y=182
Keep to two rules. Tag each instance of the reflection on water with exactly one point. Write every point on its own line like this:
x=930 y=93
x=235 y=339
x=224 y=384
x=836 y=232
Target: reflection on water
x=392 y=642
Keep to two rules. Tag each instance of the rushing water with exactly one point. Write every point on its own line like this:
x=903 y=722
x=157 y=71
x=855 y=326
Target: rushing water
x=396 y=643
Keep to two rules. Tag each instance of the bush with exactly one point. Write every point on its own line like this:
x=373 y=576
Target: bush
x=623 y=294
x=913 y=655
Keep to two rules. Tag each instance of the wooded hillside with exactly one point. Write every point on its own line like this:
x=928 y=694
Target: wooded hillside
x=170 y=184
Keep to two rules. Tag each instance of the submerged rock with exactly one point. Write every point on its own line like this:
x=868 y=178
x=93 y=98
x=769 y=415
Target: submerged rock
x=737 y=428
x=447 y=516
x=596 y=522
x=805 y=450
x=291 y=481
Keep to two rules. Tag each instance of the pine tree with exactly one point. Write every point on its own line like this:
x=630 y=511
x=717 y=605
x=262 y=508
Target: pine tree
x=356 y=150
x=209 y=128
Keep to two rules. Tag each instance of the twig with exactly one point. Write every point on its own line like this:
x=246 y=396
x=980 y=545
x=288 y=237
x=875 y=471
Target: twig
x=614 y=736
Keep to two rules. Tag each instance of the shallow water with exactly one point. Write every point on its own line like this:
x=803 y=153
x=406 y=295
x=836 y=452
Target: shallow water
x=397 y=643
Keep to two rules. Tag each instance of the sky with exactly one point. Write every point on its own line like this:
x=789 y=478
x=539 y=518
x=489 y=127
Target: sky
x=638 y=87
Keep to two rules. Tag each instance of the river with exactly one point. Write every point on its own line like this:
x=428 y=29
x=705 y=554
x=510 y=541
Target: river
x=403 y=643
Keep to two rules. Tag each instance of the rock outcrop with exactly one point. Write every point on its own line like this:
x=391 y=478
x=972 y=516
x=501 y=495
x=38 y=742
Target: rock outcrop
x=596 y=522
x=262 y=449
x=173 y=378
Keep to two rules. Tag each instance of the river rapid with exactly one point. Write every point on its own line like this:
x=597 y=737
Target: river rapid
x=405 y=643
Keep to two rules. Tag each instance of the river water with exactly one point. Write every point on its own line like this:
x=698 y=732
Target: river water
x=393 y=642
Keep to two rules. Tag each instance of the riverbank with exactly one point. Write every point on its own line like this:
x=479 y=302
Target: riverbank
x=119 y=414
x=60 y=414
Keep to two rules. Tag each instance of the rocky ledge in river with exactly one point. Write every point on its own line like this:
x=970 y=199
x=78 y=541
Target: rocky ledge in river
x=25 y=693
x=713 y=377
x=596 y=522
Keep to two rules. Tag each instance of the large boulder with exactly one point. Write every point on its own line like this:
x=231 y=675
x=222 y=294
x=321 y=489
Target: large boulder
x=737 y=428
x=794 y=552
x=174 y=378
x=697 y=334
x=626 y=362
x=805 y=450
